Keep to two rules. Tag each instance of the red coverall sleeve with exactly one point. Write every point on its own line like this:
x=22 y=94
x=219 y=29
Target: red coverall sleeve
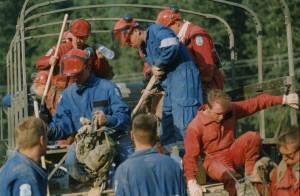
x=192 y=150
x=43 y=62
x=248 y=107
x=272 y=190
x=203 y=55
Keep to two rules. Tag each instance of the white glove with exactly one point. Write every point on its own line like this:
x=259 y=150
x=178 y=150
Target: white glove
x=157 y=72
x=53 y=61
x=291 y=100
x=147 y=94
x=260 y=165
x=100 y=117
x=84 y=121
x=194 y=188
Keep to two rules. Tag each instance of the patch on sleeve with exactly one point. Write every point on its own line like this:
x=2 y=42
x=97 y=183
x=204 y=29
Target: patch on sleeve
x=116 y=185
x=49 y=52
x=102 y=103
x=25 y=190
x=118 y=92
x=199 y=40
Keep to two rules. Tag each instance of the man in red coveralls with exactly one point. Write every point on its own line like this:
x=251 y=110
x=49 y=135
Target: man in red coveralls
x=200 y=45
x=76 y=37
x=285 y=178
x=211 y=136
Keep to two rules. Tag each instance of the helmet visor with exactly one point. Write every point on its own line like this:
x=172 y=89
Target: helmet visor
x=121 y=36
x=71 y=65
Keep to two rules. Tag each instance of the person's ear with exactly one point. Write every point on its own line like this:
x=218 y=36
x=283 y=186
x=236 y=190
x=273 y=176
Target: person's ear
x=132 y=136
x=136 y=31
x=43 y=140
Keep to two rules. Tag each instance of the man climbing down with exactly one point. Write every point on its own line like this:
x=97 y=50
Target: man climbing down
x=175 y=70
x=211 y=136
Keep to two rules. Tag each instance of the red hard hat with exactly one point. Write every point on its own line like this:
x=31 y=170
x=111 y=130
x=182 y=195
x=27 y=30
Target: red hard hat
x=74 y=62
x=168 y=16
x=41 y=77
x=123 y=28
x=80 y=27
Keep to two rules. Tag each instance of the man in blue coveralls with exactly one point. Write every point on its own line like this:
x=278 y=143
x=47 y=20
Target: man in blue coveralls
x=173 y=66
x=89 y=96
x=148 y=172
x=22 y=173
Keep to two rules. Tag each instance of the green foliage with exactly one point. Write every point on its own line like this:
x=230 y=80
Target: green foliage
x=8 y=27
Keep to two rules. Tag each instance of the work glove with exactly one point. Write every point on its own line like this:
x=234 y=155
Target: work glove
x=148 y=94
x=84 y=121
x=100 y=118
x=53 y=61
x=262 y=164
x=158 y=72
x=194 y=188
x=291 y=100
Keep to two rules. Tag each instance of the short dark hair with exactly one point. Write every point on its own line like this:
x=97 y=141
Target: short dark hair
x=144 y=128
x=289 y=136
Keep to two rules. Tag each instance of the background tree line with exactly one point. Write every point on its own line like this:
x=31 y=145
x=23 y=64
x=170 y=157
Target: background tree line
x=127 y=64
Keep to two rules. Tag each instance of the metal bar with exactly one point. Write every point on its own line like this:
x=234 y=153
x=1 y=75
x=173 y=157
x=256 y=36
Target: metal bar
x=259 y=53
x=287 y=17
x=258 y=33
x=23 y=80
x=57 y=166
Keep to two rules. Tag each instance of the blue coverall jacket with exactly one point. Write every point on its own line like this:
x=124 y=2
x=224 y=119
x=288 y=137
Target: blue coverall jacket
x=19 y=170
x=182 y=83
x=148 y=172
x=75 y=102
x=96 y=94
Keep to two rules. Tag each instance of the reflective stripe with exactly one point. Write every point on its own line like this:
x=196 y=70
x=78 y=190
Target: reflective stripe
x=168 y=42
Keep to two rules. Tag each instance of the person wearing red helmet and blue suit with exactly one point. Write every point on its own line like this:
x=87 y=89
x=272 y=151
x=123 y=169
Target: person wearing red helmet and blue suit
x=175 y=70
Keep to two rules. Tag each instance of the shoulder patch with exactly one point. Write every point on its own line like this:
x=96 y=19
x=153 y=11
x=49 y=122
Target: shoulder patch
x=118 y=92
x=25 y=190
x=199 y=40
x=49 y=52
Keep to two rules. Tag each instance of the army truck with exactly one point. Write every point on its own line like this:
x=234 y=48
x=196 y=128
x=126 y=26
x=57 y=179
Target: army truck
x=38 y=27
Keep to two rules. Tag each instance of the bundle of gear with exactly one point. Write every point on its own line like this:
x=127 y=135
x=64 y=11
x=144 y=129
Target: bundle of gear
x=95 y=149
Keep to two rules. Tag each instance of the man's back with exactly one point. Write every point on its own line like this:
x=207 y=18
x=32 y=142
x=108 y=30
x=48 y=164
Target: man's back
x=20 y=170
x=147 y=172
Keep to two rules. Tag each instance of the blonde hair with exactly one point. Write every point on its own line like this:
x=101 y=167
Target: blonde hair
x=289 y=136
x=218 y=96
x=29 y=131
